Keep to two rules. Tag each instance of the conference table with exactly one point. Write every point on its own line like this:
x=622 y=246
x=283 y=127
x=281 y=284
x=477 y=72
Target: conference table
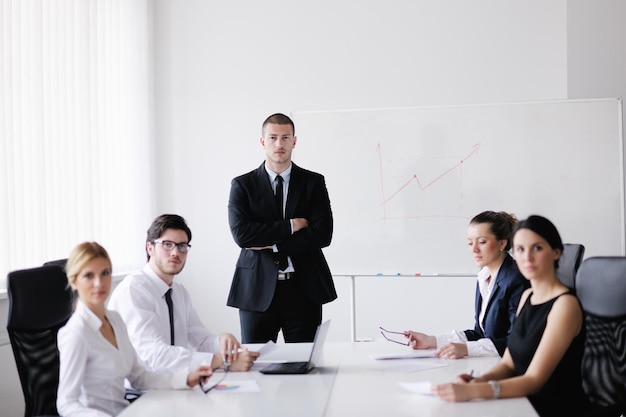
x=348 y=382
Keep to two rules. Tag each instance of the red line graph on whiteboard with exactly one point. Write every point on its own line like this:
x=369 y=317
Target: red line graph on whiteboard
x=415 y=179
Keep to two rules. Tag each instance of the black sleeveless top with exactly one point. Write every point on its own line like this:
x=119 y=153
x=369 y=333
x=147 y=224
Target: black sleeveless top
x=563 y=393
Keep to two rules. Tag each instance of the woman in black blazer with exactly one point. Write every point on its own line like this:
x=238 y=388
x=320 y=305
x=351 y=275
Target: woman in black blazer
x=498 y=291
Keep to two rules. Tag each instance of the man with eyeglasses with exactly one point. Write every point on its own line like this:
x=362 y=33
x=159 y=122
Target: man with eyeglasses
x=280 y=217
x=162 y=324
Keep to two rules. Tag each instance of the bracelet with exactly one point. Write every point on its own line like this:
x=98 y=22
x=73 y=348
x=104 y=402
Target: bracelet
x=495 y=386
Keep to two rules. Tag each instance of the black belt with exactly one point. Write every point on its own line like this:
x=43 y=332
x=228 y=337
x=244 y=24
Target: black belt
x=285 y=276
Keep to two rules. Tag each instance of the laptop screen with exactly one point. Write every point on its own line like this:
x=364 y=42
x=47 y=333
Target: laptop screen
x=318 y=344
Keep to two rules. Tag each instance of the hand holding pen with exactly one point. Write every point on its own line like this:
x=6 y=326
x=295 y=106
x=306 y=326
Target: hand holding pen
x=466 y=378
x=229 y=348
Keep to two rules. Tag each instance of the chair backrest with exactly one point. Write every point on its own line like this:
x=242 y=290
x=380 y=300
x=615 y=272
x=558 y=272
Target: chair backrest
x=59 y=262
x=569 y=262
x=601 y=289
x=40 y=302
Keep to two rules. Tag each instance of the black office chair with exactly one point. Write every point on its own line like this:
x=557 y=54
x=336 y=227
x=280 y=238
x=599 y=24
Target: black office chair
x=58 y=262
x=40 y=302
x=601 y=289
x=569 y=262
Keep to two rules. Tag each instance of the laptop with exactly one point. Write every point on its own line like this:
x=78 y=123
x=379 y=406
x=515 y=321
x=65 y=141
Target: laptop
x=302 y=367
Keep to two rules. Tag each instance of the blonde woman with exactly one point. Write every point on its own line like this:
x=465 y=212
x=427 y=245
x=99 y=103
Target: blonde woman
x=95 y=352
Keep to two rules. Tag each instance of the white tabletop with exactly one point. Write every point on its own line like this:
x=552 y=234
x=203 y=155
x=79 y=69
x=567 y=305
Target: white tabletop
x=367 y=387
x=349 y=383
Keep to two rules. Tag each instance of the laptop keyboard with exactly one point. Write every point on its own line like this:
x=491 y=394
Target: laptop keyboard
x=286 y=366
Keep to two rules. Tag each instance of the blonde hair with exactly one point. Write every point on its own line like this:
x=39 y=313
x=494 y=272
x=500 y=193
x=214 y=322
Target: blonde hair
x=81 y=255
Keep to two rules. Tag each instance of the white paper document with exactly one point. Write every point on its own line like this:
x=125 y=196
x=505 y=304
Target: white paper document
x=409 y=365
x=267 y=348
x=238 y=386
x=416 y=354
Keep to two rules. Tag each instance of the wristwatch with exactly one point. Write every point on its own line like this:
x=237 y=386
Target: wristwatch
x=495 y=386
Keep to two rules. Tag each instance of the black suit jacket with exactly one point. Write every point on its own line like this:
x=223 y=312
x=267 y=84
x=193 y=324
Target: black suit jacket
x=252 y=216
x=502 y=307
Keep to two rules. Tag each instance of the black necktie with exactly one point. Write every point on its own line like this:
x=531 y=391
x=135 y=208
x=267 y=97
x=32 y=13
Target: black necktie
x=170 y=307
x=278 y=196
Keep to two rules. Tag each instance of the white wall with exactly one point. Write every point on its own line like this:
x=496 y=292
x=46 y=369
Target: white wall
x=222 y=67
x=596 y=62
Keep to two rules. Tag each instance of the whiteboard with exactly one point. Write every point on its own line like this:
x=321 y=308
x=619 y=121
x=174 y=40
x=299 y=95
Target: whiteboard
x=404 y=182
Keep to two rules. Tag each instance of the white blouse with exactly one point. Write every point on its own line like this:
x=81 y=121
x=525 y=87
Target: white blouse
x=92 y=370
x=480 y=347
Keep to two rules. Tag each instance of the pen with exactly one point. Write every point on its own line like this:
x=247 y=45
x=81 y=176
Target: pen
x=470 y=376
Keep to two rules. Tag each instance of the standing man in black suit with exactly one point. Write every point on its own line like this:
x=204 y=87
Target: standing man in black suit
x=280 y=217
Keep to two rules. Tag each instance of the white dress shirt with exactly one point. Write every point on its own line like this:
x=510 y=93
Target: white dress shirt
x=486 y=282
x=286 y=174
x=480 y=347
x=140 y=300
x=92 y=370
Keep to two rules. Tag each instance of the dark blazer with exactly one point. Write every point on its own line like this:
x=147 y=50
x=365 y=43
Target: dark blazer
x=252 y=216
x=502 y=307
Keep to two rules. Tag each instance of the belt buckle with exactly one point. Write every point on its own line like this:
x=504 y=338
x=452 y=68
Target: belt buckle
x=283 y=276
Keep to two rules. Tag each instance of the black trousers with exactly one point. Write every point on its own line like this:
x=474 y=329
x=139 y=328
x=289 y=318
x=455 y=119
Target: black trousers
x=290 y=311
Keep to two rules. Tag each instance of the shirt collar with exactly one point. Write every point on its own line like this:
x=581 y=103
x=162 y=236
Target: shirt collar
x=484 y=273
x=90 y=317
x=286 y=174
x=156 y=281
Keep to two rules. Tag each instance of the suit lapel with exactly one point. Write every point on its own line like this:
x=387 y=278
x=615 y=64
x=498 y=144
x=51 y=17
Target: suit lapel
x=504 y=268
x=493 y=296
x=265 y=189
x=295 y=190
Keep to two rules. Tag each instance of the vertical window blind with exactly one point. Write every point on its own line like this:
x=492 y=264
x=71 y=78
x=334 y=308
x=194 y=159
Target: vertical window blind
x=76 y=133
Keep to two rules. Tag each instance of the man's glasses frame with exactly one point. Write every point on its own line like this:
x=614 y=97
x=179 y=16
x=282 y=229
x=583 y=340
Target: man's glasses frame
x=168 y=245
x=206 y=390
x=383 y=331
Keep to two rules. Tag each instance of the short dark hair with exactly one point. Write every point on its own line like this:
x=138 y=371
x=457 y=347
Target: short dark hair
x=544 y=228
x=278 y=119
x=501 y=225
x=164 y=222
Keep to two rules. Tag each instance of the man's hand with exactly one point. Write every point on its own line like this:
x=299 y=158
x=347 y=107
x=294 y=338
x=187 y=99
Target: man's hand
x=299 y=223
x=202 y=373
x=229 y=347
x=260 y=248
x=244 y=361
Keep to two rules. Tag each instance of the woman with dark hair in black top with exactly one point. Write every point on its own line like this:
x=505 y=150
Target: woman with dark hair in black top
x=545 y=348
